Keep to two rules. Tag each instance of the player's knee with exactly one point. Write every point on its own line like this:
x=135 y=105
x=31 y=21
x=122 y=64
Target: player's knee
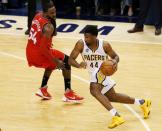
x=94 y=90
x=67 y=66
x=112 y=97
x=111 y=94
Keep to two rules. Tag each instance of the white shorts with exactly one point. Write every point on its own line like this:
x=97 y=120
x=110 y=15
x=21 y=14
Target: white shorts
x=106 y=81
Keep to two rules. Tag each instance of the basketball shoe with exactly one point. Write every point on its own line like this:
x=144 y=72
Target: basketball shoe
x=71 y=96
x=116 y=121
x=146 y=108
x=42 y=92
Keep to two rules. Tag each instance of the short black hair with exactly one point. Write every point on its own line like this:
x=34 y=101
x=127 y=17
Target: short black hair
x=46 y=4
x=92 y=29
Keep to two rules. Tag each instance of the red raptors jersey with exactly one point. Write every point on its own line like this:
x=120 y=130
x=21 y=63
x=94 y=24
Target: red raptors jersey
x=38 y=53
x=36 y=31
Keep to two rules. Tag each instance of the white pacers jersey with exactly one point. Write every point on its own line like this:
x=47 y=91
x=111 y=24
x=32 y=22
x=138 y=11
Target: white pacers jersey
x=94 y=60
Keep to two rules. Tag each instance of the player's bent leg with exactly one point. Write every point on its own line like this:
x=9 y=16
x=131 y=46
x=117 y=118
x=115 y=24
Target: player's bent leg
x=69 y=95
x=42 y=92
x=95 y=90
x=66 y=72
x=143 y=103
x=118 y=97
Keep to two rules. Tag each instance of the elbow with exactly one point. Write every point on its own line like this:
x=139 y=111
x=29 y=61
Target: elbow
x=117 y=58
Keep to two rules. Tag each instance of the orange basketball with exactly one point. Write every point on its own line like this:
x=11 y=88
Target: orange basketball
x=107 y=68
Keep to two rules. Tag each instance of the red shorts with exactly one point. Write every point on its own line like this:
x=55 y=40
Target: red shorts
x=38 y=60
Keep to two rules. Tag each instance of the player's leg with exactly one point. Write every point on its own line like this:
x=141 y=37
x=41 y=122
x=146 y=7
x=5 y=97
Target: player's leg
x=70 y=95
x=67 y=73
x=42 y=92
x=95 y=90
x=46 y=76
x=123 y=98
x=40 y=61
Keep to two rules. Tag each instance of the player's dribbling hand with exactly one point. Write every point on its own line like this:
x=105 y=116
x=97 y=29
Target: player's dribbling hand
x=115 y=65
x=83 y=65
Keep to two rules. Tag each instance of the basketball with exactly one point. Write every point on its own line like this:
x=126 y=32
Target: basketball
x=107 y=68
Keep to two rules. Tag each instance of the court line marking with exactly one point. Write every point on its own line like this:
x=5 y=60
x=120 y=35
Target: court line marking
x=86 y=81
x=102 y=37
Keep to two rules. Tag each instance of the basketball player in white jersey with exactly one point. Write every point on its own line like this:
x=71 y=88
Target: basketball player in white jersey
x=94 y=51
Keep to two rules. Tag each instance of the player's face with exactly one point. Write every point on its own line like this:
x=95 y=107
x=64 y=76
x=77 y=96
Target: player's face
x=52 y=12
x=89 y=38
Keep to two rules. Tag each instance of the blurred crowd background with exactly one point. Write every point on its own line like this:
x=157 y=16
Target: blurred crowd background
x=81 y=8
x=108 y=10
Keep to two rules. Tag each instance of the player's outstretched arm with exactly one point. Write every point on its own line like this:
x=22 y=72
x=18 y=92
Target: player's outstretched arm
x=74 y=54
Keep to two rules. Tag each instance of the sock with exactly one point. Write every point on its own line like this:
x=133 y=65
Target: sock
x=139 y=101
x=44 y=81
x=67 y=83
x=114 y=112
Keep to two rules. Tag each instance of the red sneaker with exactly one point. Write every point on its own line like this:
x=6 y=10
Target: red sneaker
x=71 y=96
x=42 y=92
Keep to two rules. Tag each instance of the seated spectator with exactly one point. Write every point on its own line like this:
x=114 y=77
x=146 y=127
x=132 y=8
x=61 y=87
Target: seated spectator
x=87 y=6
x=127 y=3
x=65 y=6
x=103 y=7
x=114 y=7
x=3 y=4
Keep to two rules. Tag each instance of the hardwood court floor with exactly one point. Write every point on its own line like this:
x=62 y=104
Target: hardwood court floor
x=139 y=75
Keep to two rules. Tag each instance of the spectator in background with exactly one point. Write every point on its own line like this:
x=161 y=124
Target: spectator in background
x=106 y=6
x=130 y=9
x=144 y=8
x=114 y=7
x=103 y=7
x=3 y=4
x=158 y=23
x=128 y=3
x=87 y=7
x=31 y=13
x=65 y=7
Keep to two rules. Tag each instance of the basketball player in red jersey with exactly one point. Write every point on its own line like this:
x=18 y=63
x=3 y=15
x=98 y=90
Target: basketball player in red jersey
x=40 y=54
